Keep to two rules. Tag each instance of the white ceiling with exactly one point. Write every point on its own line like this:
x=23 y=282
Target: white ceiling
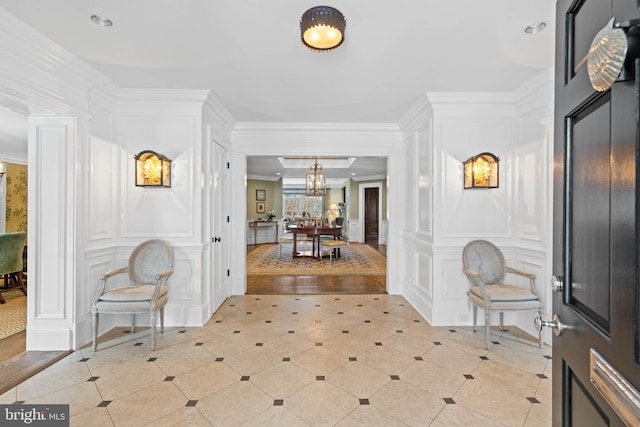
x=249 y=54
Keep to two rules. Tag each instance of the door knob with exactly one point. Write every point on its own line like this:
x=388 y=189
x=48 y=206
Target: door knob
x=216 y=239
x=557 y=283
x=555 y=323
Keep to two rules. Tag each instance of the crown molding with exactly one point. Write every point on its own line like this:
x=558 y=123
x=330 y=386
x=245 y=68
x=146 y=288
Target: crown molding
x=315 y=127
x=368 y=178
x=134 y=95
x=415 y=117
x=264 y=178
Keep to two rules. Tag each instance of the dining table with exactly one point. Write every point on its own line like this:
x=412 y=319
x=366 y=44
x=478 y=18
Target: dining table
x=314 y=233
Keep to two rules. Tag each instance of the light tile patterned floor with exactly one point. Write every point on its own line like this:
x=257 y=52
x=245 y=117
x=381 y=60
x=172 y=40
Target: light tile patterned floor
x=318 y=360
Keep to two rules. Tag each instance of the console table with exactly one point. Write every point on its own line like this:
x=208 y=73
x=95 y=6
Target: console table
x=256 y=224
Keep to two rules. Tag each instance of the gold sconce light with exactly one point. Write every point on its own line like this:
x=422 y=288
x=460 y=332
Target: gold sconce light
x=481 y=171
x=152 y=169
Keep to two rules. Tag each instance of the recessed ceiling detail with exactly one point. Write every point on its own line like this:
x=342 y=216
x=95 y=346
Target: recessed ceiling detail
x=327 y=162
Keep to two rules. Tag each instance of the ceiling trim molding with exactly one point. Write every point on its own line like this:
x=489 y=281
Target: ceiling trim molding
x=368 y=178
x=263 y=177
x=315 y=127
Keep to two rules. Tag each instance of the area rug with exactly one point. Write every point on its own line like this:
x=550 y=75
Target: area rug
x=13 y=314
x=361 y=260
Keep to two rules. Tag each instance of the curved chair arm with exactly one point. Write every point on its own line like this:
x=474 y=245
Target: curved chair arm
x=103 y=281
x=530 y=276
x=161 y=280
x=477 y=279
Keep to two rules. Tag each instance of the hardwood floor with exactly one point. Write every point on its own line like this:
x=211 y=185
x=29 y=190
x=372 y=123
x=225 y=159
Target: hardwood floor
x=351 y=284
x=17 y=365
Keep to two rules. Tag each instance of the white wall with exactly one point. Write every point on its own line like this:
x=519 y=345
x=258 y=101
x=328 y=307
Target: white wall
x=441 y=132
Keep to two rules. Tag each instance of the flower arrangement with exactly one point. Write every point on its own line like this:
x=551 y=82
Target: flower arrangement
x=271 y=214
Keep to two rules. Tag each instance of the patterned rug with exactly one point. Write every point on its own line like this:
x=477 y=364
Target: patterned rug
x=13 y=314
x=361 y=259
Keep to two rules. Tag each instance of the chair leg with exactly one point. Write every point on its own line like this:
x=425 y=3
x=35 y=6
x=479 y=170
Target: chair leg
x=487 y=328
x=95 y=331
x=162 y=319
x=153 y=330
x=21 y=283
x=133 y=323
x=501 y=321
x=475 y=318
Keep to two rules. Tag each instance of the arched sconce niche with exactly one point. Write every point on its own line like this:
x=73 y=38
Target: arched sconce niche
x=152 y=169
x=481 y=171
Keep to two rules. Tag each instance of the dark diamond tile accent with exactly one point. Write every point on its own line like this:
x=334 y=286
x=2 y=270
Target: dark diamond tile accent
x=274 y=305
x=378 y=343
x=353 y=359
x=385 y=312
x=367 y=321
x=138 y=344
x=257 y=299
x=437 y=343
x=318 y=344
x=267 y=321
x=199 y=344
x=278 y=402
x=294 y=312
x=232 y=305
x=399 y=331
x=317 y=305
x=469 y=377
x=84 y=359
x=93 y=379
x=297 y=299
x=152 y=359
x=543 y=376
x=376 y=299
x=104 y=404
x=345 y=332
x=395 y=377
x=484 y=358
x=533 y=400
x=236 y=332
x=337 y=299
x=171 y=378
x=364 y=401
x=418 y=358
x=495 y=342
x=292 y=332
x=341 y=312
x=416 y=321
x=547 y=357
x=244 y=378
x=449 y=401
x=452 y=330
x=286 y=359
x=192 y=403
x=248 y=312
x=218 y=321
x=319 y=377
x=258 y=344
x=219 y=359
x=401 y=305
x=318 y=321
x=182 y=331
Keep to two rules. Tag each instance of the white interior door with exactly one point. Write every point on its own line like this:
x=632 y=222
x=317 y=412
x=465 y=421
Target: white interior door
x=220 y=212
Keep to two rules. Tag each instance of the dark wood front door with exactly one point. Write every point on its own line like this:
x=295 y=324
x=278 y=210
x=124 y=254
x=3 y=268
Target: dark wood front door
x=371 y=219
x=595 y=238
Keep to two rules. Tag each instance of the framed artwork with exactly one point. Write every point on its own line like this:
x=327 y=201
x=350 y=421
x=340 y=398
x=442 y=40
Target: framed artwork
x=260 y=207
x=261 y=195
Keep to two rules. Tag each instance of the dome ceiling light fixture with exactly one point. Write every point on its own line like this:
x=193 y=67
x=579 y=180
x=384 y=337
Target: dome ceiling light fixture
x=322 y=28
x=103 y=22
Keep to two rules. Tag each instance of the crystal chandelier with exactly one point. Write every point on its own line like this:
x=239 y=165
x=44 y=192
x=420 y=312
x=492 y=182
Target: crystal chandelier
x=316 y=182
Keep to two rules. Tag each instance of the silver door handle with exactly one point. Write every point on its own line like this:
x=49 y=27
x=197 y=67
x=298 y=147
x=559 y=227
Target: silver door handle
x=555 y=323
x=557 y=283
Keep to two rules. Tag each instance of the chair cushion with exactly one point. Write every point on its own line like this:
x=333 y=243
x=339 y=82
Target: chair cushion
x=504 y=293
x=334 y=243
x=132 y=293
x=129 y=306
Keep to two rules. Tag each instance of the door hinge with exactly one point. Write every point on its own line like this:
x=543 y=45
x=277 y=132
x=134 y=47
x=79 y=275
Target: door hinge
x=228 y=218
x=228 y=272
x=228 y=165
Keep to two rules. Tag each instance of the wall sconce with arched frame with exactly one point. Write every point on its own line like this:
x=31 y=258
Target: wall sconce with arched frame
x=152 y=169
x=481 y=171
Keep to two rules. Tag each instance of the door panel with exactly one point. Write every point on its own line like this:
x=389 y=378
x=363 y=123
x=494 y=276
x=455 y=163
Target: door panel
x=595 y=215
x=220 y=241
x=371 y=225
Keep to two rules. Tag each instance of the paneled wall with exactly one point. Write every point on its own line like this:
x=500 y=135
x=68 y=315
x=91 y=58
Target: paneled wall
x=440 y=133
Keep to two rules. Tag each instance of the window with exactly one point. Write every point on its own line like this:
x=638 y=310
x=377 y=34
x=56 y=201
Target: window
x=295 y=205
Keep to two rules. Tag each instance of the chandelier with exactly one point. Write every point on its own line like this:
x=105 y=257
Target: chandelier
x=316 y=182
x=322 y=28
